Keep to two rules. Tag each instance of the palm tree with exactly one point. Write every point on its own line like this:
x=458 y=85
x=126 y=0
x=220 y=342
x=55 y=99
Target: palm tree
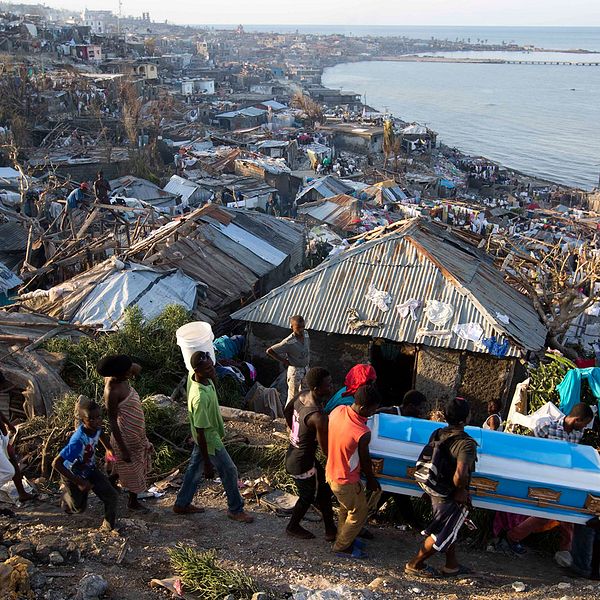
x=389 y=140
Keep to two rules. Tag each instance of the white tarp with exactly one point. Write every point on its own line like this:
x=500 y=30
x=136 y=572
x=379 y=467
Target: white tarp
x=135 y=285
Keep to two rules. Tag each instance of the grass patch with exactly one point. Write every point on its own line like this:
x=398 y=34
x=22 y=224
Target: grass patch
x=201 y=573
x=229 y=392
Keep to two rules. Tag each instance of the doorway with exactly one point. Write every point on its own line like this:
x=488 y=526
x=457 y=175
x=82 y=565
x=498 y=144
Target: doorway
x=395 y=367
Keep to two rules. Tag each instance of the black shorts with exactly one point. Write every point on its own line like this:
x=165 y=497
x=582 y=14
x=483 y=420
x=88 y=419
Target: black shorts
x=448 y=518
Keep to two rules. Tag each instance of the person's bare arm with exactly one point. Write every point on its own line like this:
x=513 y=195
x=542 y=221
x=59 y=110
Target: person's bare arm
x=461 y=482
x=288 y=413
x=209 y=471
x=278 y=357
x=321 y=425
x=112 y=397
x=10 y=428
x=83 y=484
x=105 y=441
x=365 y=463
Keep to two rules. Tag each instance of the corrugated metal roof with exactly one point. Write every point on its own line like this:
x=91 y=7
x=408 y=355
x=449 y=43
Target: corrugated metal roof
x=338 y=211
x=135 y=187
x=228 y=258
x=228 y=115
x=419 y=260
x=181 y=187
x=261 y=248
x=273 y=104
x=13 y=237
x=8 y=280
x=327 y=186
x=252 y=111
x=9 y=175
x=236 y=251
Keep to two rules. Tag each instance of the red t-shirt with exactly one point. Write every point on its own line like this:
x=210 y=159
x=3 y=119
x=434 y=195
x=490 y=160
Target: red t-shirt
x=346 y=427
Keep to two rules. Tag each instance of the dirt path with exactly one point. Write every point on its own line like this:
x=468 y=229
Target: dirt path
x=263 y=551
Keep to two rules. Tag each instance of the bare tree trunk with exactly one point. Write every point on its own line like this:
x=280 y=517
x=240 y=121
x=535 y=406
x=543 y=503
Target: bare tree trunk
x=552 y=342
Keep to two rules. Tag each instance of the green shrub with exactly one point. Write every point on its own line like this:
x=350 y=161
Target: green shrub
x=152 y=343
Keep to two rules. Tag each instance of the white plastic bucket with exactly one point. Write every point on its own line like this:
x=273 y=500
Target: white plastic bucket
x=193 y=337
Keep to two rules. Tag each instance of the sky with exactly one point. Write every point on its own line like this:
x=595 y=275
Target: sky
x=358 y=12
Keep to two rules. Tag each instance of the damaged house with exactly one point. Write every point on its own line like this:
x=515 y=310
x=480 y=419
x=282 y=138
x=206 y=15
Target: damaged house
x=427 y=309
x=233 y=255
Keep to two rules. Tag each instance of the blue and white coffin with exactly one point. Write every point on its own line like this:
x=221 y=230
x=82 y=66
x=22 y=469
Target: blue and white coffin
x=514 y=473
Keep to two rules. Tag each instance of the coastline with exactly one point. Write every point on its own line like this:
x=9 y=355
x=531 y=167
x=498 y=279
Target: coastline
x=513 y=170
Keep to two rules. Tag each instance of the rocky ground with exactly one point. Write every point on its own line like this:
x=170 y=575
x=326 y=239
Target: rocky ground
x=64 y=548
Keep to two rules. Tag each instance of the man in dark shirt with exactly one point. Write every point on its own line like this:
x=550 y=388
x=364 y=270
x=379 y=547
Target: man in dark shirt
x=449 y=513
x=101 y=188
x=308 y=429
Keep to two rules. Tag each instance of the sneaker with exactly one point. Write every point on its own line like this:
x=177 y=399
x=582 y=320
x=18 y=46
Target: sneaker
x=563 y=558
x=516 y=547
x=509 y=547
x=242 y=517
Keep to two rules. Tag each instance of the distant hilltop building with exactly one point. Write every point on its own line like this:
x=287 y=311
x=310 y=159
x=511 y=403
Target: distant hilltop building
x=100 y=21
x=104 y=21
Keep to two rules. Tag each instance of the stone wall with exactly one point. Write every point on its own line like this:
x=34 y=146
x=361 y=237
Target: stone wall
x=337 y=353
x=437 y=375
x=443 y=374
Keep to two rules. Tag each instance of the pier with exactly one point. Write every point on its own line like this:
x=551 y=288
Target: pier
x=486 y=61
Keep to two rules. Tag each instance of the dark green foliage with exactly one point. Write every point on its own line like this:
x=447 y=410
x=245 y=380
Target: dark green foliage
x=163 y=422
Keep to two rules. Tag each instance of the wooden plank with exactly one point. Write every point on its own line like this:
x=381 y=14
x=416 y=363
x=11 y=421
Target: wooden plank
x=87 y=223
x=121 y=208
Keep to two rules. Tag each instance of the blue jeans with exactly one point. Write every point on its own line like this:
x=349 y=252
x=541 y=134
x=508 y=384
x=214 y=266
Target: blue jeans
x=227 y=471
x=582 y=548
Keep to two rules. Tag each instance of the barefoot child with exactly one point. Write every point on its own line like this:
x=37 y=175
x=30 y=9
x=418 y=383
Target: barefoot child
x=76 y=464
x=308 y=431
x=128 y=426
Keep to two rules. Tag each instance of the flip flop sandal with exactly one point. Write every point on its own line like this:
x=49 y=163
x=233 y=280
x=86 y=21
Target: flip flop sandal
x=462 y=570
x=426 y=572
x=358 y=543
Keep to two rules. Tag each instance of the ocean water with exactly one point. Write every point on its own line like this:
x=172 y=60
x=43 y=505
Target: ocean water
x=552 y=38
x=539 y=119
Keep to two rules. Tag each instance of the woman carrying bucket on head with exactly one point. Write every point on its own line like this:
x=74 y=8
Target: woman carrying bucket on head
x=294 y=353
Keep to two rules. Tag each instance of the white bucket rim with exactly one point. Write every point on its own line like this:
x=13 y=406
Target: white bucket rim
x=184 y=333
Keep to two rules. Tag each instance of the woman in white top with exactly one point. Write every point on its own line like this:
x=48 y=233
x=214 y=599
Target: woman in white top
x=494 y=420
